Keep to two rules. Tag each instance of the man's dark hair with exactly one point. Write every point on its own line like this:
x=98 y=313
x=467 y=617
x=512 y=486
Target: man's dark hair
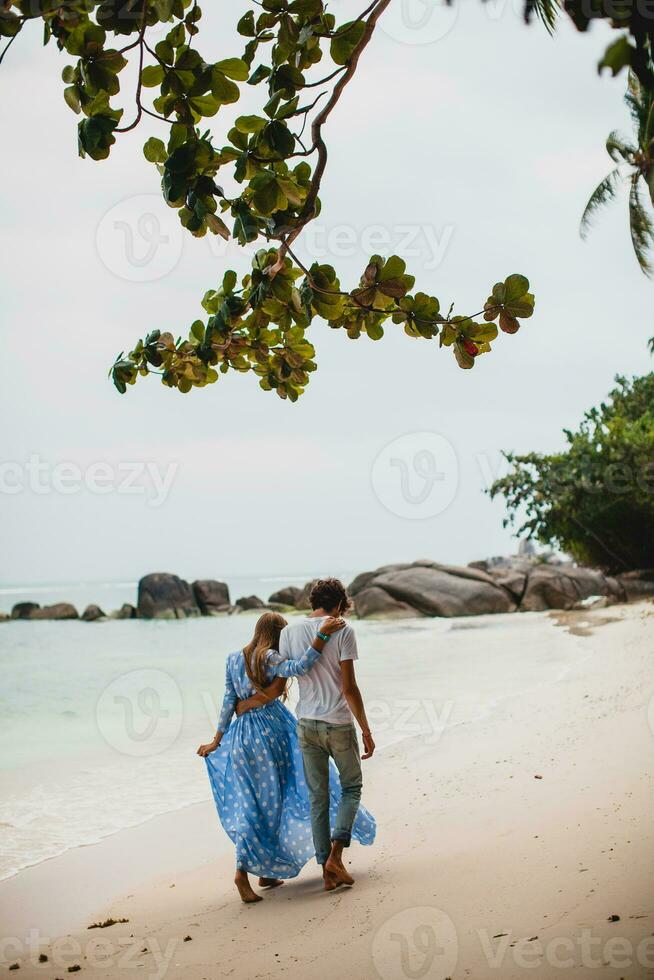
x=329 y=593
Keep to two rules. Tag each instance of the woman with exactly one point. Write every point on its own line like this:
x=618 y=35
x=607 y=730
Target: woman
x=255 y=765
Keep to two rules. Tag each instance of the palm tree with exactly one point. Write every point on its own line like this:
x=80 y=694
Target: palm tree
x=635 y=162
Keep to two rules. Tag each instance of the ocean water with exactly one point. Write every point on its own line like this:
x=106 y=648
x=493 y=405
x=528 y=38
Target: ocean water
x=99 y=722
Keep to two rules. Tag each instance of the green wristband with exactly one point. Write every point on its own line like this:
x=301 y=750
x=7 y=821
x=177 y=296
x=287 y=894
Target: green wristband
x=323 y=636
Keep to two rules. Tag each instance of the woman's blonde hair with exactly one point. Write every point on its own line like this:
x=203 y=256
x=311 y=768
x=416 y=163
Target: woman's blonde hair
x=266 y=637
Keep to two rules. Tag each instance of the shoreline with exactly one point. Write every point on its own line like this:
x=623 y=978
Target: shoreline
x=481 y=828
x=426 y=633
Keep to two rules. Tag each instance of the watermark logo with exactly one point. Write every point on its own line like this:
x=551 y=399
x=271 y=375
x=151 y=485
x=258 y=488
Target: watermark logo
x=120 y=952
x=140 y=713
x=416 y=943
x=140 y=239
x=416 y=476
x=145 y=478
x=409 y=717
x=419 y=21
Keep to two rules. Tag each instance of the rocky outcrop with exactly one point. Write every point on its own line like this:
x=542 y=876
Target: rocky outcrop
x=525 y=583
x=92 y=613
x=32 y=610
x=431 y=589
x=637 y=584
x=24 y=610
x=302 y=601
x=285 y=597
x=248 y=602
x=564 y=586
x=375 y=602
x=60 y=610
x=126 y=611
x=165 y=596
x=212 y=597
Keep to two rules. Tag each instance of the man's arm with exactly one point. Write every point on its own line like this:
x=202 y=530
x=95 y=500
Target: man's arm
x=354 y=699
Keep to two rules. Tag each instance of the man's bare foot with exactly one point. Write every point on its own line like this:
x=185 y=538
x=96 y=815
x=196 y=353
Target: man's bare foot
x=330 y=881
x=242 y=882
x=270 y=882
x=337 y=870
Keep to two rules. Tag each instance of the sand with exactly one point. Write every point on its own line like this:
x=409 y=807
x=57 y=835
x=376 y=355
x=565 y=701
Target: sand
x=518 y=845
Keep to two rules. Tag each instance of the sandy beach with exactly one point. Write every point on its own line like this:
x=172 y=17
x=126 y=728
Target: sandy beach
x=518 y=844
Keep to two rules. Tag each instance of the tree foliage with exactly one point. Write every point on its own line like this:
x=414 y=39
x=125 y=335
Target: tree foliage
x=260 y=323
x=634 y=161
x=595 y=500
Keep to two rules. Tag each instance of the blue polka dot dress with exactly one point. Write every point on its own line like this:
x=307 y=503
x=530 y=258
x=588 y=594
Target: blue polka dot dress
x=257 y=778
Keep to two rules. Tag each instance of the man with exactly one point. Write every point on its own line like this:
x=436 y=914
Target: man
x=329 y=697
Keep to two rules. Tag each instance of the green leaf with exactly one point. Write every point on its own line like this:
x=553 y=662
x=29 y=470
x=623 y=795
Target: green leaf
x=152 y=76
x=234 y=68
x=346 y=40
x=617 y=56
x=71 y=95
x=515 y=286
x=222 y=89
x=154 y=150
x=250 y=124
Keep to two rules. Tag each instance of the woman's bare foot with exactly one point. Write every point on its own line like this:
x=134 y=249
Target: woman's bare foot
x=337 y=870
x=270 y=882
x=242 y=882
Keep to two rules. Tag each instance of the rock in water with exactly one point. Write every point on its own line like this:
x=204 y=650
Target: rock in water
x=92 y=613
x=302 y=601
x=126 y=611
x=165 y=596
x=211 y=596
x=250 y=602
x=60 y=610
x=287 y=596
x=24 y=610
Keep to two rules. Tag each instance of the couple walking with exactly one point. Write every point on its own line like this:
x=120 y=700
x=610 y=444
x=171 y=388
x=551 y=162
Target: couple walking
x=288 y=790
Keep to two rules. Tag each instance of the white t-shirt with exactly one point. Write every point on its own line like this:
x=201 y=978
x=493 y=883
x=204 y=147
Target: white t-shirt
x=321 y=690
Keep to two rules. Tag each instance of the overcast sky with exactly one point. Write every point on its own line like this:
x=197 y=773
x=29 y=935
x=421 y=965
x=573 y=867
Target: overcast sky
x=469 y=144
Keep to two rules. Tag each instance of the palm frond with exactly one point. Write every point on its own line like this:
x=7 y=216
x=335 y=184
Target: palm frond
x=618 y=149
x=604 y=192
x=641 y=227
x=638 y=104
x=547 y=12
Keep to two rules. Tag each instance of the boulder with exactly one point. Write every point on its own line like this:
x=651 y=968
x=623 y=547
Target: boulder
x=92 y=613
x=24 y=610
x=60 y=610
x=510 y=573
x=430 y=589
x=212 y=597
x=165 y=596
x=638 y=584
x=564 y=586
x=286 y=597
x=126 y=611
x=302 y=601
x=373 y=602
x=250 y=602
x=4 y=617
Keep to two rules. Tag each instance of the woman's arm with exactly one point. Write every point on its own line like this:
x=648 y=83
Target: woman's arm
x=229 y=706
x=291 y=668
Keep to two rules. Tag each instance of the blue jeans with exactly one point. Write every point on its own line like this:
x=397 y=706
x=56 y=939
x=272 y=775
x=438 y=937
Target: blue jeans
x=319 y=742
